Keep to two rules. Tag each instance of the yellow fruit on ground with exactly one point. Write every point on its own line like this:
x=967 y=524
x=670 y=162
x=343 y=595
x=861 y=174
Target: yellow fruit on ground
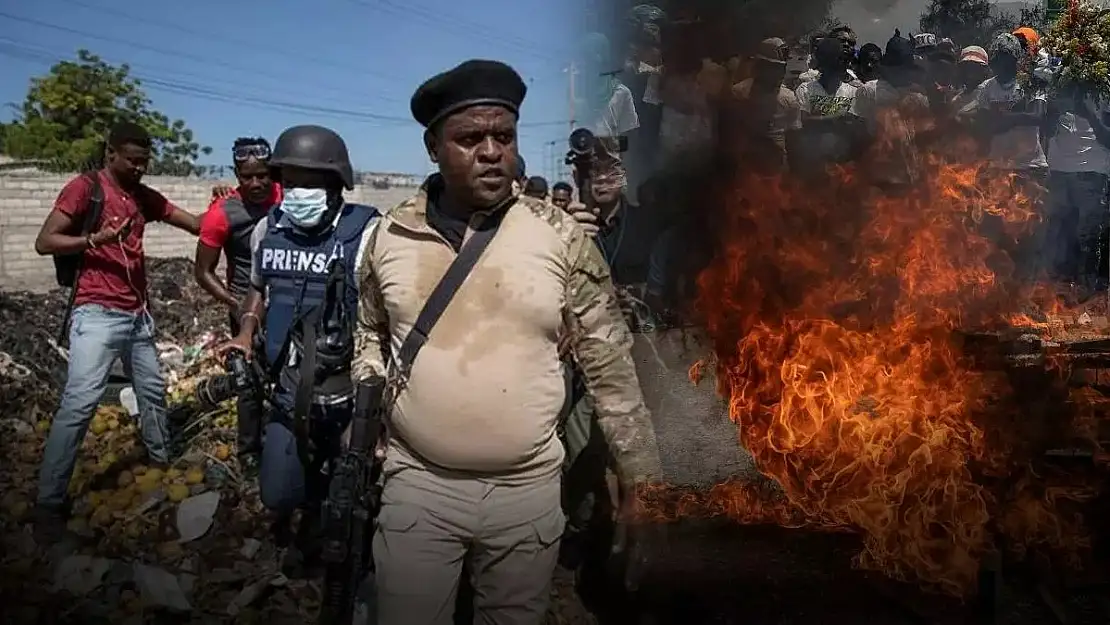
x=177 y=492
x=133 y=530
x=98 y=427
x=126 y=478
x=14 y=504
x=148 y=486
x=101 y=517
x=139 y=469
x=223 y=452
x=119 y=502
x=113 y=424
x=172 y=474
x=109 y=459
x=43 y=426
x=95 y=498
x=153 y=474
x=194 y=476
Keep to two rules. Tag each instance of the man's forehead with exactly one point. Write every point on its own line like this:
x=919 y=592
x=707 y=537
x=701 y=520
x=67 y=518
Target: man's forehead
x=481 y=116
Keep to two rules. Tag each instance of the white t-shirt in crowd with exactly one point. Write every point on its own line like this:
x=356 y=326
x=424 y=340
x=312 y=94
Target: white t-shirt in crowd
x=814 y=74
x=1074 y=147
x=1020 y=147
x=816 y=101
x=619 y=117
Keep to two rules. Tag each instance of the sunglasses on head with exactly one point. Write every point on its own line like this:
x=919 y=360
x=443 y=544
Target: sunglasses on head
x=246 y=152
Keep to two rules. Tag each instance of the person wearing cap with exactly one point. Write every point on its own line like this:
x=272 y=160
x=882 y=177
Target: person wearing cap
x=225 y=230
x=762 y=111
x=924 y=44
x=971 y=71
x=472 y=461
x=303 y=283
x=825 y=105
x=1009 y=114
x=1031 y=43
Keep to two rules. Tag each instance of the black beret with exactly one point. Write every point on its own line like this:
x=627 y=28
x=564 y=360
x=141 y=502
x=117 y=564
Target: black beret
x=472 y=83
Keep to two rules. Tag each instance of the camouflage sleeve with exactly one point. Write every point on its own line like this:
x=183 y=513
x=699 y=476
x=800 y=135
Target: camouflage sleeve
x=602 y=346
x=372 y=326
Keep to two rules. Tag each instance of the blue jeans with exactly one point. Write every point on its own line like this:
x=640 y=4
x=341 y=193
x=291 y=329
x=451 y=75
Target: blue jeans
x=284 y=483
x=97 y=337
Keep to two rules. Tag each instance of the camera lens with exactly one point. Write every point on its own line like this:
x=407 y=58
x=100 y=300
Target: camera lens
x=581 y=140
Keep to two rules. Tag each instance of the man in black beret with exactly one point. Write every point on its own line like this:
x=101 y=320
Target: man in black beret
x=473 y=461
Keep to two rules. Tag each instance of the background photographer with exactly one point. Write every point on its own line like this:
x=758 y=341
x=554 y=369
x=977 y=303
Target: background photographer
x=304 y=297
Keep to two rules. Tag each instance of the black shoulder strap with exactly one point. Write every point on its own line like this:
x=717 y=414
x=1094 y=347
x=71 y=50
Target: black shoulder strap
x=95 y=207
x=445 y=291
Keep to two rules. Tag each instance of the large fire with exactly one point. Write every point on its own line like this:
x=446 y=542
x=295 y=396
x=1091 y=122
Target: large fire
x=835 y=318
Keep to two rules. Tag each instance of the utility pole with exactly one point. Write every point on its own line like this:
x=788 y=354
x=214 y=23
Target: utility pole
x=572 y=73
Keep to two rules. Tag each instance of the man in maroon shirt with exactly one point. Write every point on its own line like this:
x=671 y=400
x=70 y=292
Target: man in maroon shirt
x=225 y=228
x=110 y=317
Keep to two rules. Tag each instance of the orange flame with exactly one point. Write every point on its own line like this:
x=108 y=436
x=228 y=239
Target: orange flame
x=834 y=316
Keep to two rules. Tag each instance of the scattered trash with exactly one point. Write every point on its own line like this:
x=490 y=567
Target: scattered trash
x=160 y=589
x=81 y=574
x=195 y=515
x=250 y=548
x=129 y=402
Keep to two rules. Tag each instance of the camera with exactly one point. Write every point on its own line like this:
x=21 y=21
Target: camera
x=238 y=381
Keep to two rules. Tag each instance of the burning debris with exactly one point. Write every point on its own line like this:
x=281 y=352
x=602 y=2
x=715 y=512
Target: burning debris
x=837 y=321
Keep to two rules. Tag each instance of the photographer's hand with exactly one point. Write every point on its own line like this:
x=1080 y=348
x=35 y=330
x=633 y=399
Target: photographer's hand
x=585 y=217
x=241 y=343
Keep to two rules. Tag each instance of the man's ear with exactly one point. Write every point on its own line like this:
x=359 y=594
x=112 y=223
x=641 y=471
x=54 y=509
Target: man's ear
x=431 y=145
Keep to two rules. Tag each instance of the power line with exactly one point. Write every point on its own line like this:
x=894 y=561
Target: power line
x=458 y=26
x=21 y=51
x=155 y=49
x=222 y=38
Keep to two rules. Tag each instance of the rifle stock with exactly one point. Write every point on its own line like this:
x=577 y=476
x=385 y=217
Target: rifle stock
x=350 y=511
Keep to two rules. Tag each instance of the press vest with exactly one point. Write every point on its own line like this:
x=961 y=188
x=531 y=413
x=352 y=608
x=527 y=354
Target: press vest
x=294 y=268
x=241 y=220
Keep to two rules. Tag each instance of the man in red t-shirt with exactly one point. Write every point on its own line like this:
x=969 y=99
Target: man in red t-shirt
x=110 y=316
x=226 y=228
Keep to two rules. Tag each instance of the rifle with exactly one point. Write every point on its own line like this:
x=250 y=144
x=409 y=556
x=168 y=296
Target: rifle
x=354 y=498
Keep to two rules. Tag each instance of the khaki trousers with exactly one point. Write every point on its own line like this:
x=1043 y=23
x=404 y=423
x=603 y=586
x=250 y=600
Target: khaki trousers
x=432 y=521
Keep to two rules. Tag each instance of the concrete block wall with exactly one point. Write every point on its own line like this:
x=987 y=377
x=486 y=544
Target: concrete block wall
x=27 y=198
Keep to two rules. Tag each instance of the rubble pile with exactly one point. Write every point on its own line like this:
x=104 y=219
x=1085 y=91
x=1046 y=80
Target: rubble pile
x=33 y=365
x=190 y=542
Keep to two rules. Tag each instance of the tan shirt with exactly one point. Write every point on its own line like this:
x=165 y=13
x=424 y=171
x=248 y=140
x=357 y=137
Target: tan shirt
x=485 y=392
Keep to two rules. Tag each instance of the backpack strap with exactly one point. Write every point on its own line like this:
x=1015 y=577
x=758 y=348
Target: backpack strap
x=94 y=208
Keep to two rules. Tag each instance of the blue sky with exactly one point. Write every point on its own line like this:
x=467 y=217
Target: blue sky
x=253 y=67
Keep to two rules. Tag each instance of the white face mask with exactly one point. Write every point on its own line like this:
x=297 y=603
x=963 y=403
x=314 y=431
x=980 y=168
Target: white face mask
x=304 y=207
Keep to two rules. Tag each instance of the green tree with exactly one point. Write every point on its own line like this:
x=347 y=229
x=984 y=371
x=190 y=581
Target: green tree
x=68 y=112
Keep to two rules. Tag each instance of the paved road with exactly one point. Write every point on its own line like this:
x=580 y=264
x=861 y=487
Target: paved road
x=697 y=442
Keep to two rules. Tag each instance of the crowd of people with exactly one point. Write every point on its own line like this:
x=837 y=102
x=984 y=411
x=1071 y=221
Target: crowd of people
x=883 y=109
x=499 y=306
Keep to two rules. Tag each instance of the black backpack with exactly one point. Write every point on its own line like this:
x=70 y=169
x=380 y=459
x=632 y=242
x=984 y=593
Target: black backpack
x=68 y=266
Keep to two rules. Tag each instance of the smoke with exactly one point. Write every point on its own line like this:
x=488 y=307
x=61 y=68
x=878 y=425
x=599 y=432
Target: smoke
x=875 y=20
